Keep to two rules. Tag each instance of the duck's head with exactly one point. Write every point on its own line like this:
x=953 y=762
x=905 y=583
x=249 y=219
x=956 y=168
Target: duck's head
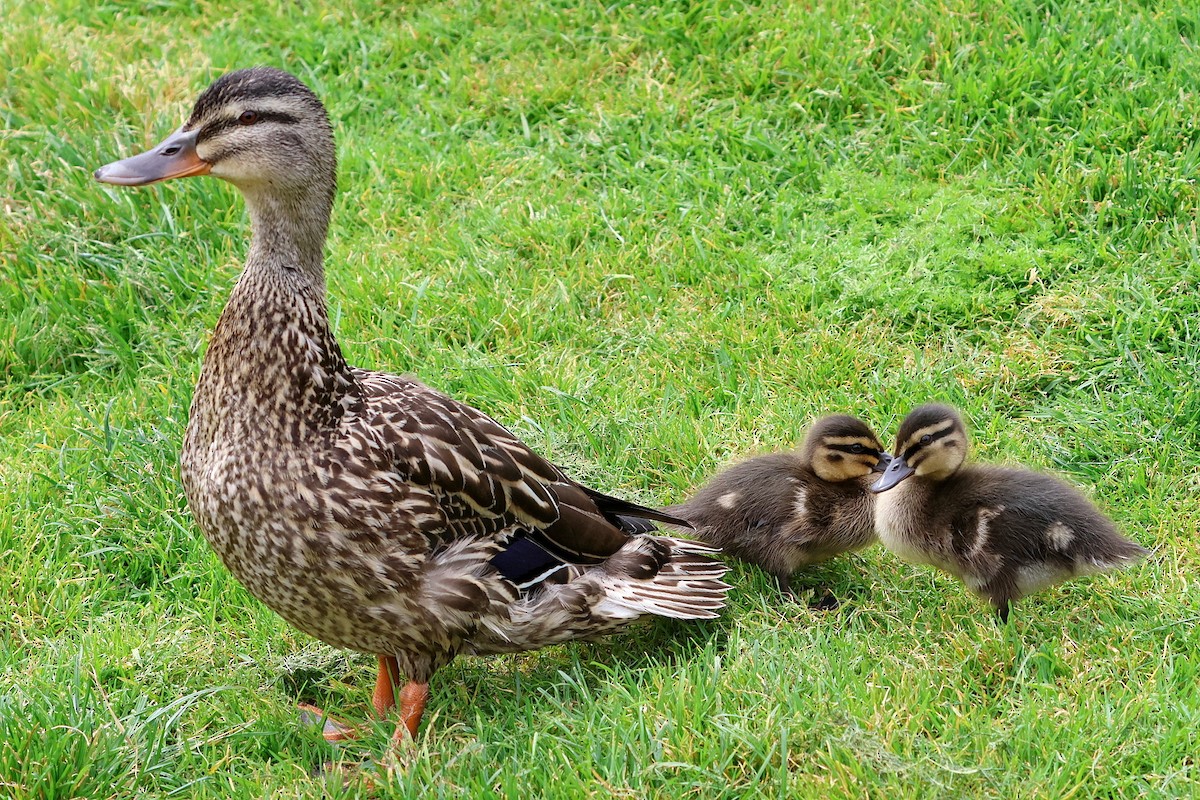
x=931 y=443
x=841 y=448
x=261 y=129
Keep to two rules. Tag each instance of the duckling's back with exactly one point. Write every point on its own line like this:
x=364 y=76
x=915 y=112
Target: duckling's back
x=774 y=512
x=1025 y=529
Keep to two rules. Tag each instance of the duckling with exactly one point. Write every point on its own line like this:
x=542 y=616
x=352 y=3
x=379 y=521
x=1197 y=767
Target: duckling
x=369 y=510
x=784 y=511
x=1004 y=532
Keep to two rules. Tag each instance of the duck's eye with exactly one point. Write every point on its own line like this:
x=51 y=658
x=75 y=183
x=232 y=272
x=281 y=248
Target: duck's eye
x=927 y=438
x=248 y=118
x=856 y=448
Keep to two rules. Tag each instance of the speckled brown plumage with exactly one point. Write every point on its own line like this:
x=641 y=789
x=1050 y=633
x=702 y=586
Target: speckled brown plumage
x=1005 y=532
x=369 y=510
x=783 y=511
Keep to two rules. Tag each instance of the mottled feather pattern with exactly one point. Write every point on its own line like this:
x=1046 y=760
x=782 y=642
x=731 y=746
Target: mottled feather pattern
x=367 y=509
x=403 y=496
x=658 y=575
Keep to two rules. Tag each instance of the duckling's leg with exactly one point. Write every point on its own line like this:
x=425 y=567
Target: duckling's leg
x=784 y=579
x=1001 y=592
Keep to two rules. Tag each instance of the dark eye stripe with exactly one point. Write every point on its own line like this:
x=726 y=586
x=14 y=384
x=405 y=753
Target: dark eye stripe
x=935 y=437
x=222 y=125
x=849 y=448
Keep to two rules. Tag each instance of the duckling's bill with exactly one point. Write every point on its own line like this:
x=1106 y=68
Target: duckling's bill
x=897 y=470
x=173 y=157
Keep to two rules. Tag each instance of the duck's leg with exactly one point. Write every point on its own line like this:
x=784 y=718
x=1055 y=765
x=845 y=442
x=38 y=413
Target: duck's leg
x=331 y=729
x=384 y=698
x=412 y=706
x=412 y=698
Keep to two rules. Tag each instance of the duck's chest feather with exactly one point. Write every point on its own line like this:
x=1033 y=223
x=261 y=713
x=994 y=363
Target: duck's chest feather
x=299 y=473
x=336 y=553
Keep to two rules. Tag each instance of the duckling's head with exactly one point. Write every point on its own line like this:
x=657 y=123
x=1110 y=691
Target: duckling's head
x=931 y=443
x=261 y=129
x=840 y=448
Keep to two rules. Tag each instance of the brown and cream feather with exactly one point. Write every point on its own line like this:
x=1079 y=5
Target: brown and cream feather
x=369 y=510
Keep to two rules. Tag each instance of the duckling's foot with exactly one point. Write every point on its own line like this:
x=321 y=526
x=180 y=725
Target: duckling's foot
x=332 y=730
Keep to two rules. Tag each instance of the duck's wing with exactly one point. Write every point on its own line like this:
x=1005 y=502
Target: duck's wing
x=482 y=480
x=632 y=517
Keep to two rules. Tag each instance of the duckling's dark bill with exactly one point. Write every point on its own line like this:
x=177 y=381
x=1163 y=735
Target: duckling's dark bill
x=174 y=157
x=896 y=471
x=885 y=461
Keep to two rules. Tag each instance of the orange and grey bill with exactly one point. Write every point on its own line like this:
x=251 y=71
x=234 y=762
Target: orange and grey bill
x=174 y=157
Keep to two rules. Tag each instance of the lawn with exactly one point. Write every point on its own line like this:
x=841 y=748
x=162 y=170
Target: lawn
x=651 y=238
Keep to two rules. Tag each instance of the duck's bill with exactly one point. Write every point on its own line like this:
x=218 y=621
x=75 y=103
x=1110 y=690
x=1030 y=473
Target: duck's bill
x=896 y=471
x=173 y=157
x=885 y=459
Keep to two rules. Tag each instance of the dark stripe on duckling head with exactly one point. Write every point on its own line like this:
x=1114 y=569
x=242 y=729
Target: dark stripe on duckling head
x=933 y=420
x=923 y=439
x=839 y=432
x=841 y=425
x=932 y=442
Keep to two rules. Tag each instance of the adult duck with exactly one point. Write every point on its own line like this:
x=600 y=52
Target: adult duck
x=367 y=509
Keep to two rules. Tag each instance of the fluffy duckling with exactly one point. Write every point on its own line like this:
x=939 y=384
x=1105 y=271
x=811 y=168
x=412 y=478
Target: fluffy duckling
x=1006 y=533
x=783 y=511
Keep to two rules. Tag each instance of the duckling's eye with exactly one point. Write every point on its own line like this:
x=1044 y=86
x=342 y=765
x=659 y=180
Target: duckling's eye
x=856 y=448
x=248 y=118
x=927 y=438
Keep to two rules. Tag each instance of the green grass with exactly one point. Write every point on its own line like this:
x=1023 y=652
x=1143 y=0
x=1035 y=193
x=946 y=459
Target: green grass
x=651 y=237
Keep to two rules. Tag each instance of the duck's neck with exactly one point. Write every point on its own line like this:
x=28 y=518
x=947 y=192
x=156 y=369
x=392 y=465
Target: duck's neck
x=289 y=236
x=273 y=362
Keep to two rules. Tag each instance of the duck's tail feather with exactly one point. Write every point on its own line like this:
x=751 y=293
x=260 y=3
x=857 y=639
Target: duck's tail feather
x=685 y=584
x=617 y=511
x=650 y=575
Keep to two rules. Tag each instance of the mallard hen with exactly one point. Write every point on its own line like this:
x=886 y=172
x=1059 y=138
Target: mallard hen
x=1006 y=533
x=367 y=509
x=784 y=511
